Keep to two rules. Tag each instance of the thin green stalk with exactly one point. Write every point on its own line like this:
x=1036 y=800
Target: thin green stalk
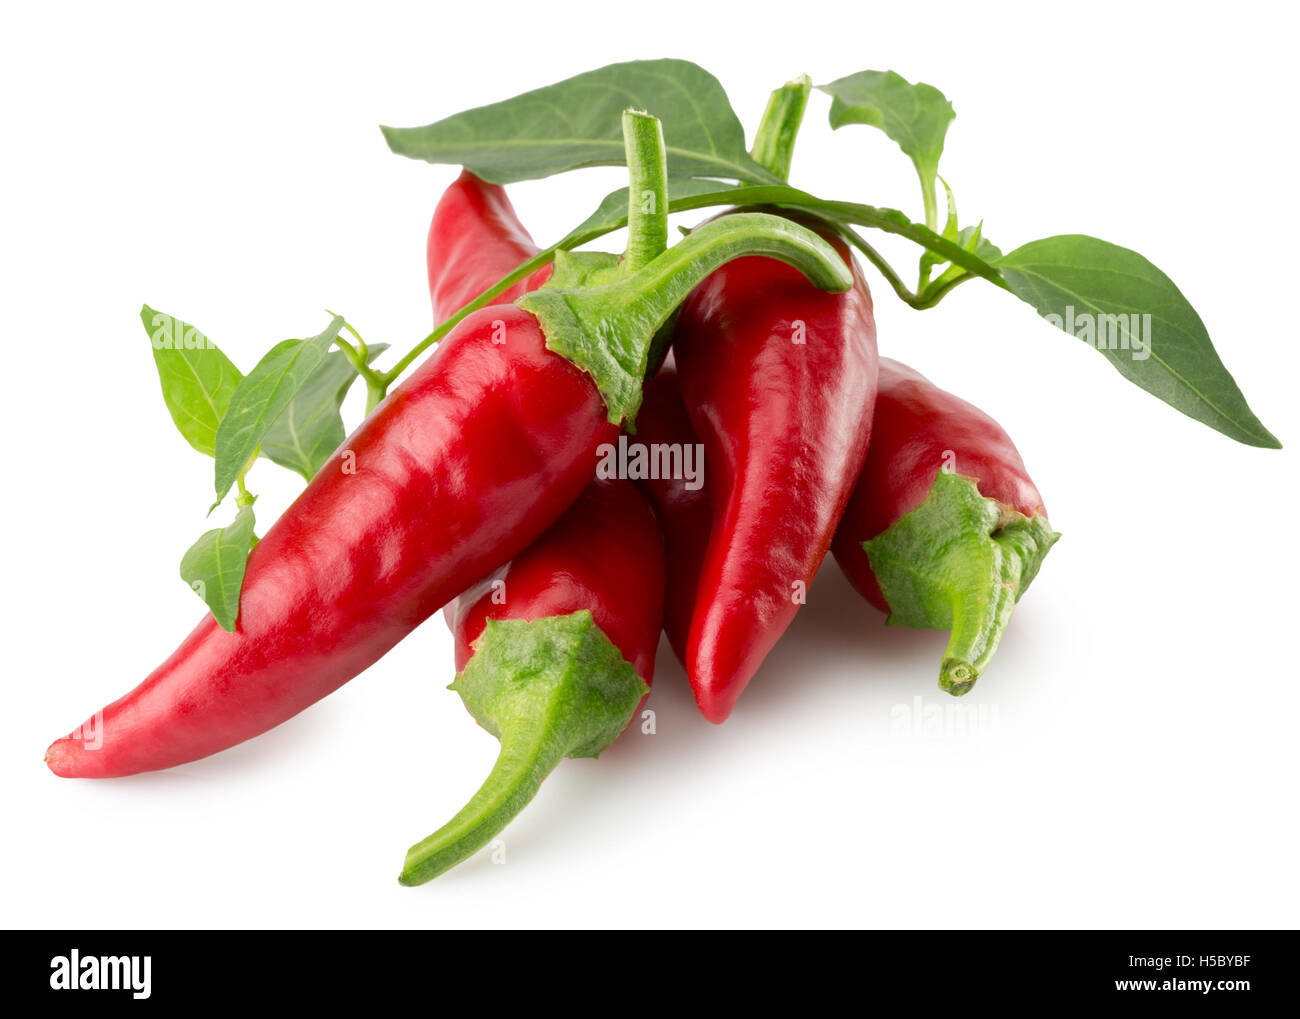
x=522 y=271
x=647 y=196
x=774 y=143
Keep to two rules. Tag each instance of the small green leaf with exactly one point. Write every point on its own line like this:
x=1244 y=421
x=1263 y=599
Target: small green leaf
x=311 y=427
x=578 y=122
x=214 y=566
x=263 y=396
x=1131 y=312
x=915 y=116
x=197 y=379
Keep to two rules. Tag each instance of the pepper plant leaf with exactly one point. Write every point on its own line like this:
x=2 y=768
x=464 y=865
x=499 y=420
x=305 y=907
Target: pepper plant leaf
x=197 y=379
x=1130 y=311
x=262 y=397
x=915 y=116
x=311 y=427
x=578 y=122
x=214 y=566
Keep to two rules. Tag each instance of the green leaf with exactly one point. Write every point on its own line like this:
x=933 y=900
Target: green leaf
x=1092 y=289
x=197 y=379
x=311 y=427
x=547 y=688
x=578 y=122
x=959 y=562
x=263 y=396
x=214 y=566
x=915 y=116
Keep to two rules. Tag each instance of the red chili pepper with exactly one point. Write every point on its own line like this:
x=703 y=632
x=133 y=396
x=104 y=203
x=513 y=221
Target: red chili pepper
x=458 y=470
x=945 y=529
x=780 y=380
x=475 y=239
x=684 y=513
x=555 y=652
x=452 y=475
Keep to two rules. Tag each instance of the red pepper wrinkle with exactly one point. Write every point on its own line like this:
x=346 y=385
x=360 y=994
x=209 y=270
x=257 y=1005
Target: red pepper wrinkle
x=785 y=427
x=604 y=555
x=475 y=239
x=919 y=429
x=459 y=470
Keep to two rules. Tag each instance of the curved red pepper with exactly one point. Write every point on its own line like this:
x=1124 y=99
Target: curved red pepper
x=779 y=379
x=987 y=540
x=554 y=653
x=475 y=239
x=457 y=471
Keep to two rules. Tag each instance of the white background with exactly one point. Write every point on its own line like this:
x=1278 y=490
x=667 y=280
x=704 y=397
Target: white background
x=1133 y=758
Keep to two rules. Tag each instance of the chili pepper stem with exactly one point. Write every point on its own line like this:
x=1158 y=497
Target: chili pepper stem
x=549 y=689
x=959 y=562
x=528 y=754
x=647 y=194
x=774 y=143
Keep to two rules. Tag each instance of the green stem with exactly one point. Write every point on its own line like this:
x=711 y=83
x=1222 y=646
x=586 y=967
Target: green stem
x=548 y=688
x=934 y=294
x=929 y=200
x=959 y=562
x=607 y=330
x=243 y=497
x=774 y=143
x=521 y=271
x=647 y=196
x=878 y=260
x=527 y=756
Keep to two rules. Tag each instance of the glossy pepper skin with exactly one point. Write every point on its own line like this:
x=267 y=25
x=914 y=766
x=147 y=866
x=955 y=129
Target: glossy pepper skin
x=459 y=469
x=685 y=515
x=554 y=654
x=456 y=472
x=475 y=239
x=779 y=379
x=945 y=529
x=919 y=428
x=604 y=555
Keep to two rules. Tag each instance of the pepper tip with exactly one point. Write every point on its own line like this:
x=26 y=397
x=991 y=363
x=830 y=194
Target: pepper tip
x=957 y=676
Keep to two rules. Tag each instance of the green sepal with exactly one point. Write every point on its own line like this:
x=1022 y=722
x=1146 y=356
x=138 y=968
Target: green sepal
x=583 y=269
x=608 y=328
x=547 y=689
x=959 y=562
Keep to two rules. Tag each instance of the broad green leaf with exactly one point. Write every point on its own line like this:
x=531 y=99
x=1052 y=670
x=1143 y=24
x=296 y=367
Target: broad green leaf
x=578 y=122
x=214 y=566
x=311 y=427
x=262 y=397
x=915 y=116
x=1131 y=312
x=197 y=378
